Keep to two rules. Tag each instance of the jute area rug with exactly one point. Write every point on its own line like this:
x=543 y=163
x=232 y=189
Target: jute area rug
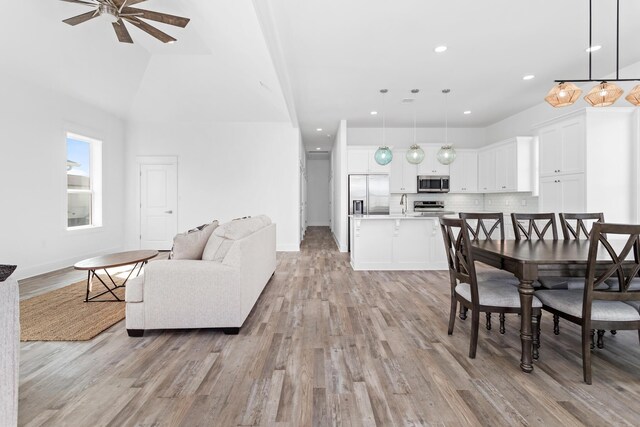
x=62 y=314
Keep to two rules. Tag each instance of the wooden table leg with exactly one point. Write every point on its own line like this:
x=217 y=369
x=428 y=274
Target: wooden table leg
x=526 y=326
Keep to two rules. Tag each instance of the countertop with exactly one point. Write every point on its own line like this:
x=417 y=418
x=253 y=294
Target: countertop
x=408 y=215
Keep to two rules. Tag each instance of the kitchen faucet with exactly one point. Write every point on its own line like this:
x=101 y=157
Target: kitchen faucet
x=403 y=203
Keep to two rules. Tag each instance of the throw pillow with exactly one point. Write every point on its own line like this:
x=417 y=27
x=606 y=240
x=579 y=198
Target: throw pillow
x=223 y=237
x=190 y=245
x=6 y=271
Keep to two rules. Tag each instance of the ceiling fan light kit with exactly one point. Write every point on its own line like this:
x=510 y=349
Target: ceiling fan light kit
x=117 y=12
x=604 y=93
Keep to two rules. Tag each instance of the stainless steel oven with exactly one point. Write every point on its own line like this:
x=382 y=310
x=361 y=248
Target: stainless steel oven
x=433 y=184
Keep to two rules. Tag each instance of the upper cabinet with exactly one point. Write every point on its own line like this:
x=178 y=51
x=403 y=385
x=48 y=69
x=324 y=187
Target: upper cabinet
x=404 y=175
x=430 y=165
x=562 y=147
x=463 y=172
x=361 y=160
x=506 y=166
x=588 y=163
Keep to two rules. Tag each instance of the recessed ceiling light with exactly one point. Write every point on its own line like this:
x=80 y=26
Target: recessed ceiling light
x=317 y=148
x=467 y=112
x=440 y=49
x=528 y=77
x=373 y=113
x=593 y=48
x=319 y=130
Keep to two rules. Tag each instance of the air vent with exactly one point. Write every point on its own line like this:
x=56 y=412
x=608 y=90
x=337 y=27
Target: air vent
x=318 y=152
x=408 y=100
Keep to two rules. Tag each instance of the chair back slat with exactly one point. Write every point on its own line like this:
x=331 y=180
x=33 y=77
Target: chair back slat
x=571 y=231
x=623 y=266
x=483 y=230
x=457 y=244
x=530 y=230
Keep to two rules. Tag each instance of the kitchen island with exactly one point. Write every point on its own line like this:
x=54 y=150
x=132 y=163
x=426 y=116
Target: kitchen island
x=397 y=242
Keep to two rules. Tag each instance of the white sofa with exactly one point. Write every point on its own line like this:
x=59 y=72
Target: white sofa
x=182 y=294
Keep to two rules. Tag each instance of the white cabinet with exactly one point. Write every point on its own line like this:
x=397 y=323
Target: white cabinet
x=463 y=172
x=360 y=160
x=403 y=176
x=562 y=193
x=487 y=171
x=397 y=244
x=506 y=166
x=588 y=162
x=562 y=148
x=430 y=165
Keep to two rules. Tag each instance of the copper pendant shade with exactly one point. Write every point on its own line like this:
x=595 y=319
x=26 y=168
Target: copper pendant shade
x=563 y=94
x=634 y=96
x=603 y=95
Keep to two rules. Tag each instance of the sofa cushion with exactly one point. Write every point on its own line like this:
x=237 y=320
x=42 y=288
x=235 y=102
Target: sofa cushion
x=495 y=293
x=570 y=302
x=223 y=237
x=133 y=292
x=190 y=245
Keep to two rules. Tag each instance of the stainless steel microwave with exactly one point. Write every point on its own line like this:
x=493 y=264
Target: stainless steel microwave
x=433 y=184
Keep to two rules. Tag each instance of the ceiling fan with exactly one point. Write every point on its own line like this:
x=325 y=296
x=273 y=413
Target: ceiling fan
x=118 y=11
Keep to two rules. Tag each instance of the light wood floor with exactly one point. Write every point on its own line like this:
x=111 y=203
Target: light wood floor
x=329 y=346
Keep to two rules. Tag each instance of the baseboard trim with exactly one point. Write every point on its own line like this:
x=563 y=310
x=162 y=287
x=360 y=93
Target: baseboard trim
x=36 y=270
x=288 y=248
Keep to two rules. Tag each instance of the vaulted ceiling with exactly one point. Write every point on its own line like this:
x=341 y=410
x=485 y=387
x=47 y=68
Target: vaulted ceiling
x=319 y=61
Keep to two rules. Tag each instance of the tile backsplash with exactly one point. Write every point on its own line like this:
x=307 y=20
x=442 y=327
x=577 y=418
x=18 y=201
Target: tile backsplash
x=498 y=202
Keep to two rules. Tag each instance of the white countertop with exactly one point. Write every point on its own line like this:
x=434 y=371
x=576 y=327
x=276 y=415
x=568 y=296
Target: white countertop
x=408 y=215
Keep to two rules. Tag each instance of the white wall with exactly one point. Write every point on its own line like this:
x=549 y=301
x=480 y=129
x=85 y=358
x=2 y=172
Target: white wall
x=403 y=137
x=339 y=187
x=303 y=186
x=33 y=232
x=318 y=194
x=225 y=171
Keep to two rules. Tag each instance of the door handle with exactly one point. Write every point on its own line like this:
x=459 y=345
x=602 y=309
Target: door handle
x=169 y=212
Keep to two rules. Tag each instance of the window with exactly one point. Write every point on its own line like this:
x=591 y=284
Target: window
x=84 y=182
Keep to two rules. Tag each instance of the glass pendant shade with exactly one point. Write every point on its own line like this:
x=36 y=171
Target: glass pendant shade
x=415 y=154
x=383 y=155
x=446 y=155
x=603 y=95
x=634 y=96
x=563 y=94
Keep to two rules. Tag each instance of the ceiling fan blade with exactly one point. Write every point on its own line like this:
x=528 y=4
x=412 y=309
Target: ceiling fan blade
x=121 y=32
x=165 y=18
x=121 y=3
x=86 y=3
x=81 y=18
x=163 y=37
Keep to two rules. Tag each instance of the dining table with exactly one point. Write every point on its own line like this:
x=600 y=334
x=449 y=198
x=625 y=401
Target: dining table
x=530 y=259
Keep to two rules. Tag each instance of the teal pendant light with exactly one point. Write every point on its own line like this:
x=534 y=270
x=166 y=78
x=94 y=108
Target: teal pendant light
x=383 y=155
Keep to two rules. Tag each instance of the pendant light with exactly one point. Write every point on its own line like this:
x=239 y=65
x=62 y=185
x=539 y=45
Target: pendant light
x=383 y=154
x=603 y=94
x=446 y=155
x=415 y=154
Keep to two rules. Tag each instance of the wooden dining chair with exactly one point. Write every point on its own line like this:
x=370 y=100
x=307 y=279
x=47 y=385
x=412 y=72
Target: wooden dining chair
x=573 y=224
x=592 y=308
x=576 y=226
x=489 y=296
x=533 y=229
x=487 y=226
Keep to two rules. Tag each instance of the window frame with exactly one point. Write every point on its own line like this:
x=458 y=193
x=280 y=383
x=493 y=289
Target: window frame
x=95 y=180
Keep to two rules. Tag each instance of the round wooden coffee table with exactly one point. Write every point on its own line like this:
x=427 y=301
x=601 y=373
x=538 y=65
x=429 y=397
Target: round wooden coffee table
x=110 y=261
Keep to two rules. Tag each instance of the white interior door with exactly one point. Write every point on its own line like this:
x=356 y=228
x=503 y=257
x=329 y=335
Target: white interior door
x=158 y=205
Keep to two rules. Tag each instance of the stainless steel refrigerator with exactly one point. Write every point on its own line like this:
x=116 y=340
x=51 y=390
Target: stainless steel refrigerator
x=370 y=193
